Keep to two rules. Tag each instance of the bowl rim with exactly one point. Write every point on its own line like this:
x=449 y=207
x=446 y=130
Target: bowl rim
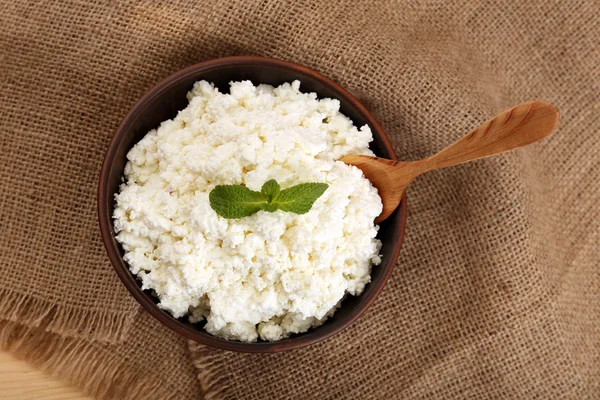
x=130 y=281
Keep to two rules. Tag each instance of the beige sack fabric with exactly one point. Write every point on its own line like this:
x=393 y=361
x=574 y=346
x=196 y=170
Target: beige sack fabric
x=497 y=290
x=59 y=107
x=496 y=293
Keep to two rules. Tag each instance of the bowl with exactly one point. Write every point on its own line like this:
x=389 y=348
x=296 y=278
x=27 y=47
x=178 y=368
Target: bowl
x=163 y=102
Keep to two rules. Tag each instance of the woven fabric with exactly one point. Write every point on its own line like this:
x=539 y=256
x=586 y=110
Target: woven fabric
x=496 y=293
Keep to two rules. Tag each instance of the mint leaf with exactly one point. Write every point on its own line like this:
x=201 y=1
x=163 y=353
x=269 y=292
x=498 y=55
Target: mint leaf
x=270 y=188
x=300 y=198
x=236 y=201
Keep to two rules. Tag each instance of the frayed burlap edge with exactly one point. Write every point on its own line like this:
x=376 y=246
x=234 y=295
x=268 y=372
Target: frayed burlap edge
x=211 y=371
x=97 y=372
x=102 y=325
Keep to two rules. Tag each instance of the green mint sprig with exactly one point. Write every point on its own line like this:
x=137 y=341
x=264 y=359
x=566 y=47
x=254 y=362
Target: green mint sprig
x=237 y=201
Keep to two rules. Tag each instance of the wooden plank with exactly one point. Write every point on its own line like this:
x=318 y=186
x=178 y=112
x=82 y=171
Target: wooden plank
x=19 y=380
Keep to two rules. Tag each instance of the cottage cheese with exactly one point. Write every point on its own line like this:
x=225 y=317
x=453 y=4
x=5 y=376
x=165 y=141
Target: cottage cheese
x=269 y=274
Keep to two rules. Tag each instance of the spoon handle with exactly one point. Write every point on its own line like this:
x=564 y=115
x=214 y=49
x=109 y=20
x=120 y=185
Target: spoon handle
x=511 y=129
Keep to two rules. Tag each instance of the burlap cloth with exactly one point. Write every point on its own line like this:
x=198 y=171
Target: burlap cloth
x=497 y=290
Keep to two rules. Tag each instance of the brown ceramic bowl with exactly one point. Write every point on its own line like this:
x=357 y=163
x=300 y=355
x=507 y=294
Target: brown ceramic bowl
x=163 y=102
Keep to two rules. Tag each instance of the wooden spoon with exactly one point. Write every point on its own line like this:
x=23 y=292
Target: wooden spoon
x=511 y=129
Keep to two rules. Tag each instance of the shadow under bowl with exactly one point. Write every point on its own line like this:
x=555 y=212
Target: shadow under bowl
x=163 y=102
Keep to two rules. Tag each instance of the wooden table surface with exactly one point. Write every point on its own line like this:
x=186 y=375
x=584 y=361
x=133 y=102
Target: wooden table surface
x=21 y=381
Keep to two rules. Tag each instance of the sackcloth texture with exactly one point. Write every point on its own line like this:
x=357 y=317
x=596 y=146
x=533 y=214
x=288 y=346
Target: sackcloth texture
x=496 y=293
